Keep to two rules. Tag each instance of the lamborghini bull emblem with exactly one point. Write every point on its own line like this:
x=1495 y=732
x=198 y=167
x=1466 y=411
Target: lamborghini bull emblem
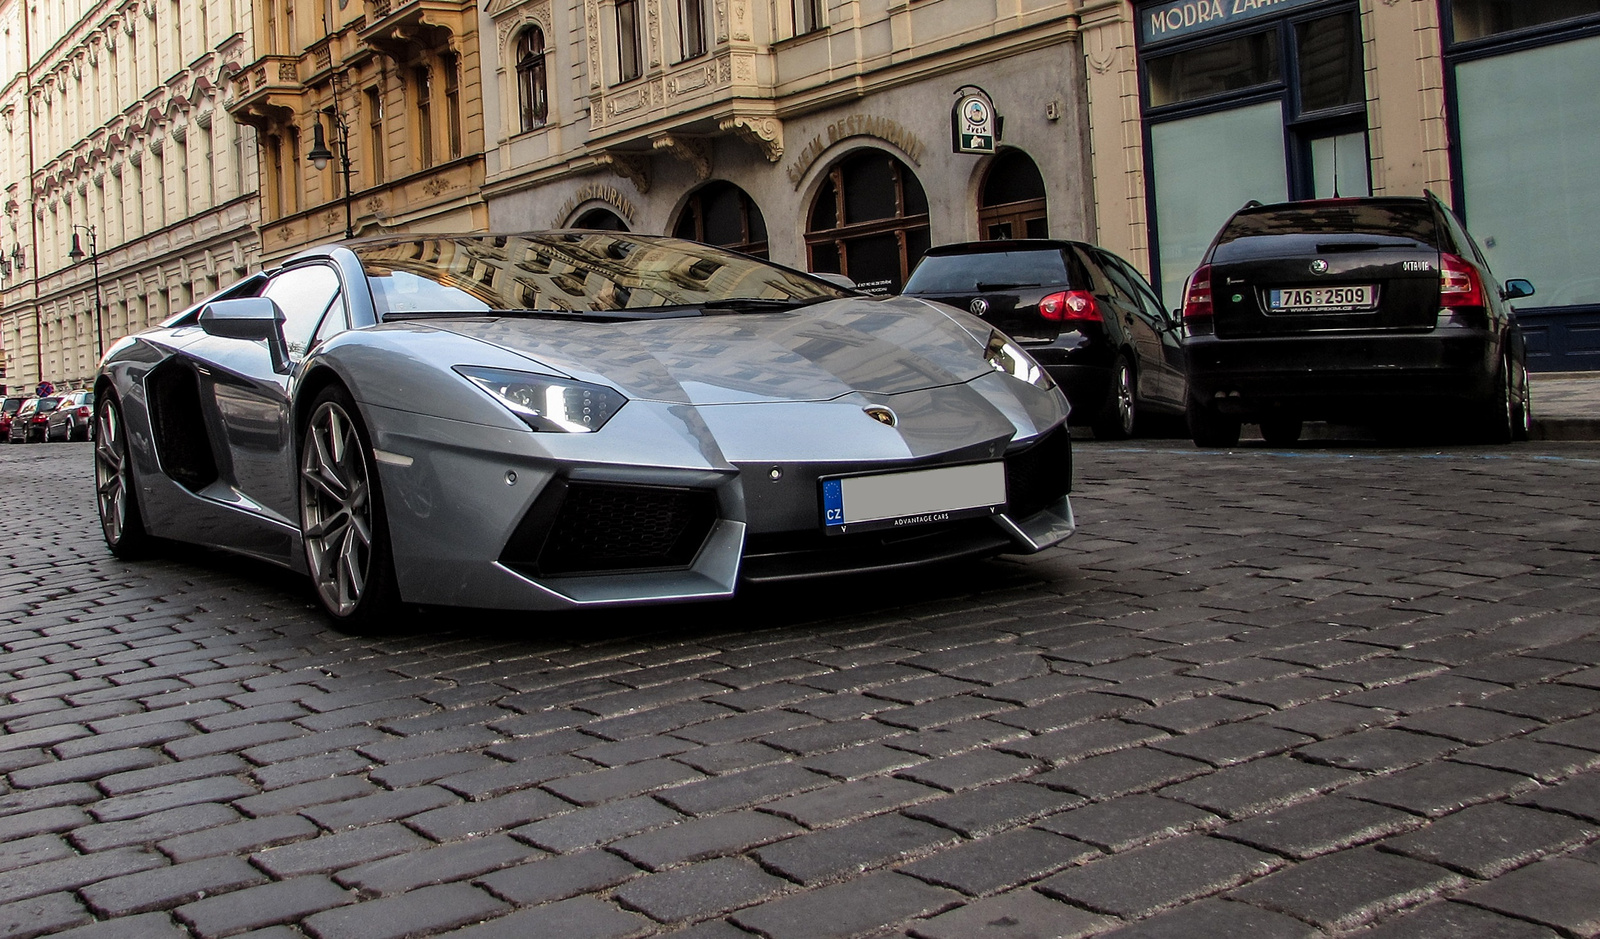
x=880 y=414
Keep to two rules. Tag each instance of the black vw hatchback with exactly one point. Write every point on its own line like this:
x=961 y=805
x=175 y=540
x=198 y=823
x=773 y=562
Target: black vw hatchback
x=1376 y=311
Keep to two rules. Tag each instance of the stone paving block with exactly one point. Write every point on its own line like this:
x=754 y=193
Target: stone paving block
x=1488 y=840
x=172 y=795
x=703 y=838
x=490 y=815
x=741 y=789
x=233 y=740
x=1000 y=862
x=821 y=738
x=337 y=851
x=1583 y=733
x=577 y=918
x=1184 y=717
x=1034 y=691
x=45 y=797
x=1470 y=725
x=510 y=777
x=431 y=769
x=952 y=739
x=182 y=771
x=1378 y=750
x=143 y=926
x=1258 y=785
x=620 y=782
x=746 y=726
x=1142 y=881
x=945 y=711
x=1128 y=821
x=41 y=916
x=700 y=890
x=328 y=741
x=731 y=757
x=843 y=706
x=558 y=878
x=36 y=849
x=924 y=689
x=1009 y=915
x=1232 y=743
x=1440 y=788
x=1448 y=920
x=422 y=911
x=70 y=873
x=311 y=769
x=1114 y=774
x=297 y=797
x=823 y=807
x=1069 y=711
x=239 y=838
x=154 y=827
x=1579 y=796
x=166 y=887
x=379 y=807
x=1546 y=762
x=1349 y=888
x=979 y=812
x=598 y=825
x=83 y=768
x=284 y=901
x=401 y=749
x=836 y=853
x=1546 y=702
x=1320 y=826
x=970 y=770
x=1218 y=919
x=1074 y=743
x=847 y=909
x=1424 y=694
x=870 y=759
x=42 y=821
x=1557 y=892
x=636 y=750
x=146 y=736
x=457 y=860
x=1324 y=719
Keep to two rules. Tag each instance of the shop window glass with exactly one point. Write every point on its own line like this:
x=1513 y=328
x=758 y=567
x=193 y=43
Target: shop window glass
x=1330 y=63
x=1012 y=204
x=885 y=221
x=1530 y=129
x=1214 y=69
x=601 y=220
x=1476 y=19
x=1339 y=166
x=721 y=213
x=1204 y=169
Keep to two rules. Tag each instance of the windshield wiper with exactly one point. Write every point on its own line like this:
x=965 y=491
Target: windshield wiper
x=756 y=304
x=1002 y=286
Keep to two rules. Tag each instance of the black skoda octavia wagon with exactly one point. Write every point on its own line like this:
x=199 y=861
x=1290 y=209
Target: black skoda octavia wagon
x=1375 y=311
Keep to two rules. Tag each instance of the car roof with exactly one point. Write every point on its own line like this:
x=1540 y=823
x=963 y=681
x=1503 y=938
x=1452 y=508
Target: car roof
x=1010 y=244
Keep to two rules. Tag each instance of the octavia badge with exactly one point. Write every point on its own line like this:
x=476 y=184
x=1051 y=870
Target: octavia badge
x=1319 y=266
x=978 y=306
x=880 y=414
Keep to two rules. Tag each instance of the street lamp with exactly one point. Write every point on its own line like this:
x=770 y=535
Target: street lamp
x=76 y=254
x=320 y=155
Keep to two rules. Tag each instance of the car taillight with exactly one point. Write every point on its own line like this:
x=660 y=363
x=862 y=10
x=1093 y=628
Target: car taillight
x=83 y=410
x=1071 y=305
x=1459 y=283
x=1197 y=300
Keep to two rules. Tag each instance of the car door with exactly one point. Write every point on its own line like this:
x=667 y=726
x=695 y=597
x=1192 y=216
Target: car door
x=1171 y=375
x=1117 y=300
x=251 y=401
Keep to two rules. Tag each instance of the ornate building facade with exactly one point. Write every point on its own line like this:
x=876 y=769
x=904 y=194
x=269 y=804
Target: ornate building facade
x=115 y=139
x=392 y=87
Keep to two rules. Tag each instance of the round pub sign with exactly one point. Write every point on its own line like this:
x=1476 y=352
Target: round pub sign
x=973 y=124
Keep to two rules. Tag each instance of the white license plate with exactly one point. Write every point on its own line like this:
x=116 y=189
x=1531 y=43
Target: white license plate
x=917 y=497
x=1323 y=299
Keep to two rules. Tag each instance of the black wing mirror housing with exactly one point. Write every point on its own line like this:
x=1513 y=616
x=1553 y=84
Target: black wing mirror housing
x=1516 y=289
x=250 y=318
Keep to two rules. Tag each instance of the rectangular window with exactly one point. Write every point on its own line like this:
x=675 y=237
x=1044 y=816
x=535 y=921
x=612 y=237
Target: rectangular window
x=693 y=13
x=1478 y=19
x=628 y=52
x=1330 y=63
x=423 y=85
x=376 y=152
x=1214 y=69
x=808 y=16
x=452 y=102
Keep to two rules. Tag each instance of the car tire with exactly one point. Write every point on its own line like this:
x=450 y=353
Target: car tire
x=343 y=525
x=1494 y=421
x=1522 y=406
x=116 y=490
x=1209 y=428
x=1281 y=431
x=1120 y=412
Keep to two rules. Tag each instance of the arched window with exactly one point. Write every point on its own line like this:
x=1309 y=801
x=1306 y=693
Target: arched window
x=721 y=213
x=601 y=220
x=1012 y=204
x=533 y=98
x=869 y=221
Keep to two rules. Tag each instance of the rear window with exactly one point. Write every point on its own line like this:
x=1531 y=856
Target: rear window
x=989 y=270
x=1413 y=222
x=46 y=404
x=10 y=405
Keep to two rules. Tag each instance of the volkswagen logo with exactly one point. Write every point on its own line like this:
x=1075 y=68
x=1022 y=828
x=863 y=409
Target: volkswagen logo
x=880 y=414
x=978 y=306
x=1319 y=266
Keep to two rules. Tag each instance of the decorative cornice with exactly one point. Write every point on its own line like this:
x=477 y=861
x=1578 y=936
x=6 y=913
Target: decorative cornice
x=634 y=167
x=764 y=131
x=695 y=151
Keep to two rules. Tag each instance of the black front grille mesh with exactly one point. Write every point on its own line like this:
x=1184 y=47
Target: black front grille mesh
x=1039 y=475
x=583 y=527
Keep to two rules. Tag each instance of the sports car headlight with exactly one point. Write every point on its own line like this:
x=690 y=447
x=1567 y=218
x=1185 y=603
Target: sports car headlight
x=553 y=405
x=1006 y=356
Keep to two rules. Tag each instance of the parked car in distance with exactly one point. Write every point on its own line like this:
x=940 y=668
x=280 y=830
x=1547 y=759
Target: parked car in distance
x=1080 y=311
x=1371 y=310
x=8 y=410
x=73 y=418
x=28 y=425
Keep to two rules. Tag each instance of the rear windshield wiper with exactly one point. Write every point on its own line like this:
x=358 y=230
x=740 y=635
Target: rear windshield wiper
x=1003 y=286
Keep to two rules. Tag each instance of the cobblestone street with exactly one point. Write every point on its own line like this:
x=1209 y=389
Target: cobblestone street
x=1336 y=690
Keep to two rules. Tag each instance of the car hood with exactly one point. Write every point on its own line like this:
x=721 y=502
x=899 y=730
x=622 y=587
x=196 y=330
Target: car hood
x=815 y=353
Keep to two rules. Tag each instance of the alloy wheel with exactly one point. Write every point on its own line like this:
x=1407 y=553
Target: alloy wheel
x=336 y=508
x=111 y=478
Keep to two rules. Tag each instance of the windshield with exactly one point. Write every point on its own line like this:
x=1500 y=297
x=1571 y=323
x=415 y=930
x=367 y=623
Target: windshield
x=1409 y=221
x=575 y=272
x=988 y=270
x=10 y=405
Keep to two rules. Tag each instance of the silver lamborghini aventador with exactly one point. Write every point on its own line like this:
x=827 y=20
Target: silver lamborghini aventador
x=571 y=419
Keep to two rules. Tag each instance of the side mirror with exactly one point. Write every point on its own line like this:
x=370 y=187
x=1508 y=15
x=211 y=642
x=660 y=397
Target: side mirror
x=249 y=318
x=1516 y=289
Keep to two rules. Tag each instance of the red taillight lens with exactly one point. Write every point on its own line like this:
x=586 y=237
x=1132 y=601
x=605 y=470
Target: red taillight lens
x=1197 y=300
x=1459 y=283
x=83 y=411
x=1070 y=305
